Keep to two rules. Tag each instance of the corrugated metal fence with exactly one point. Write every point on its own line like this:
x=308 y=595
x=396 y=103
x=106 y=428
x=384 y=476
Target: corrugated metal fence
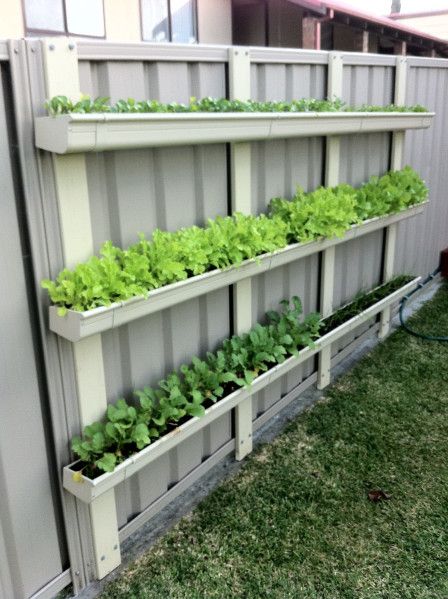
x=43 y=533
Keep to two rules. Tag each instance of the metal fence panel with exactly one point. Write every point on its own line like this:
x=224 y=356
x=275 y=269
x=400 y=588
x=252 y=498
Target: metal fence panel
x=358 y=262
x=32 y=543
x=139 y=191
x=278 y=167
x=419 y=241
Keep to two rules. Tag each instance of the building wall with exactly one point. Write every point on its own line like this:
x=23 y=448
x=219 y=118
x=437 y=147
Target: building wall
x=249 y=23
x=11 y=19
x=343 y=38
x=122 y=20
x=251 y=18
x=215 y=21
x=123 y=23
x=277 y=23
x=285 y=24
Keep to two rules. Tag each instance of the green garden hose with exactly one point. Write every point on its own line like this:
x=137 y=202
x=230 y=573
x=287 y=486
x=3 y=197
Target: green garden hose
x=406 y=327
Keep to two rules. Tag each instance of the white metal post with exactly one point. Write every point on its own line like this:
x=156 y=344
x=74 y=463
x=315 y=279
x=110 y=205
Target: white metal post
x=62 y=78
x=239 y=88
x=396 y=161
x=332 y=159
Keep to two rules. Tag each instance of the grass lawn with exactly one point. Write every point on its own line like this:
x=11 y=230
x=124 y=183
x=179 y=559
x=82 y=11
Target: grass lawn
x=296 y=521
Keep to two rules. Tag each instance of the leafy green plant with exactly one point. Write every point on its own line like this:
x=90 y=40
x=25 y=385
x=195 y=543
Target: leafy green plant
x=325 y=212
x=361 y=302
x=184 y=394
x=168 y=257
x=64 y=105
x=394 y=191
x=85 y=105
x=292 y=331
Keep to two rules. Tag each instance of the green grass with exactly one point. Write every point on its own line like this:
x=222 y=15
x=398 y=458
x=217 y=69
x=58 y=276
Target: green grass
x=296 y=521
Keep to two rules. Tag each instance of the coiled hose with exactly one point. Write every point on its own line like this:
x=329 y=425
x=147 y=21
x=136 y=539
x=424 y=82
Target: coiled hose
x=405 y=326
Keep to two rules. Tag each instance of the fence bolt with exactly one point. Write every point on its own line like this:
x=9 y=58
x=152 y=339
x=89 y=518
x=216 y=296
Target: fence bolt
x=51 y=47
x=33 y=50
x=16 y=51
x=115 y=547
x=103 y=557
x=71 y=46
x=77 y=573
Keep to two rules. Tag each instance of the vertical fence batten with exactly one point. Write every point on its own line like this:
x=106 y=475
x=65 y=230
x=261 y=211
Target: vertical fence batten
x=240 y=167
x=62 y=77
x=396 y=161
x=332 y=167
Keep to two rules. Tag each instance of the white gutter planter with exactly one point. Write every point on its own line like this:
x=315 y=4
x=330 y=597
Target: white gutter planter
x=72 y=133
x=75 y=326
x=87 y=490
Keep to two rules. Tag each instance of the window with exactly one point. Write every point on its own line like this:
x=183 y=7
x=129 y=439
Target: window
x=73 y=17
x=169 y=21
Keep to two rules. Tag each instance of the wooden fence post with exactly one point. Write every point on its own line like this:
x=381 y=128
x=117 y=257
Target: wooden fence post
x=239 y=88
x=62 y=78
x=395 y=164
x=332 y=156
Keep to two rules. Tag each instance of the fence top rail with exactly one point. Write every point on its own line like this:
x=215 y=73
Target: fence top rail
x=89 y=50
x=369 y=60
x=259 y=54
x=299 y=56
x=422 y=61
x=149 y=51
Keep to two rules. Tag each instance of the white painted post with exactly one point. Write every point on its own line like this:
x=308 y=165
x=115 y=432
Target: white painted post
x=395 y=164
x=239 y=87
x=62 y=78
x=332 y=155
